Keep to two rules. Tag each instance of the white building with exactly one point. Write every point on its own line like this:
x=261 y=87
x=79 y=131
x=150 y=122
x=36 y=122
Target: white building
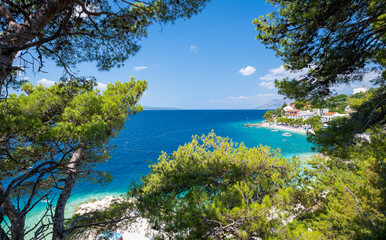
x=300 y=114
x=360 y=89
x=289 y=108
x=330 y=115
x=321 y=112
x=306 y=114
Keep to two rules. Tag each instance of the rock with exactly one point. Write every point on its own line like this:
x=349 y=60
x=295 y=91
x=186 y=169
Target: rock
x=97 y=205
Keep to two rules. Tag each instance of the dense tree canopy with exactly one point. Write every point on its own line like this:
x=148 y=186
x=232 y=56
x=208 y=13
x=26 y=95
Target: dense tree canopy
x=334 y=39
x=369 y=116
x=337 y=41
x=213 y=188
x=74 y=31
x=350 y=193
x=50 y=138
x=269 y=114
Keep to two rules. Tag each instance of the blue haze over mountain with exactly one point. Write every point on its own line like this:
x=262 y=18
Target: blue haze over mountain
x=275 y=103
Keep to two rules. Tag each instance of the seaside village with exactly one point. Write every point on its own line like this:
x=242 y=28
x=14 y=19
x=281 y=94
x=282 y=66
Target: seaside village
x=308 y=112
x=326 y=116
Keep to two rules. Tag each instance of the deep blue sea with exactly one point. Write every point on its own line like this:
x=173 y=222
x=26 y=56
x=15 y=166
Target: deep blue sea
x=148 y=133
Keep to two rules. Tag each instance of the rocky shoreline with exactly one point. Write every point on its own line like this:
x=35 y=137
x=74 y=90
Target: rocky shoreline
x=138 y=228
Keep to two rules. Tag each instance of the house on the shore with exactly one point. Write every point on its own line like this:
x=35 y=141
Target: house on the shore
x=289 y=108
x=330 y=115
x=300 y=114
x=320 y=111
x=326 y=116
x=306 y=114
x=293 y=113
x=290 y=111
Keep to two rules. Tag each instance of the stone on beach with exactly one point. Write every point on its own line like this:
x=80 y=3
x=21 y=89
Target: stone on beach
x=138 y=228
x=91 y=207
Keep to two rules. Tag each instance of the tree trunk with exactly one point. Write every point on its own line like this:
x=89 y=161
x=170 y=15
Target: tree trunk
x=6 y=61
x=3 y=235
x=59 y=232
x=16 y=218
x=17 y=35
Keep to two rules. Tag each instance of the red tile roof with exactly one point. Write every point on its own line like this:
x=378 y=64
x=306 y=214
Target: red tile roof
x=330 y=113
x=293 y=110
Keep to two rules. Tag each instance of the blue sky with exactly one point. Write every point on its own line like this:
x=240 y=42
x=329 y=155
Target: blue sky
x=211 y=61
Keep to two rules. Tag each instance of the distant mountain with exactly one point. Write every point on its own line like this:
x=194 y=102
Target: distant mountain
x=160 y=108
x=275 y=103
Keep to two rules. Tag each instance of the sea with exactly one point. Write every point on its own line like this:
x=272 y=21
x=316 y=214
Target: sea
x=148 y=133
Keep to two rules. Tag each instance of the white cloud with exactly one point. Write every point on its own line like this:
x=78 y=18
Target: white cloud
x=25 y=78
x=193 y=49
x=101 y=86
x=247 y=71
x=239 y=98
x=266 y=94
x=139 y=68
x=245 y=99
x=281 y=73
x=268 y=85
x=46 y=83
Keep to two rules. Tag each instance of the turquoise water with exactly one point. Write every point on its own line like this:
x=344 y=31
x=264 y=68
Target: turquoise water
x=148 y=133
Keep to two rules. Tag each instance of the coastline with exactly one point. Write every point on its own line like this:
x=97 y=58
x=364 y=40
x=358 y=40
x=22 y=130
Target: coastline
x=280 y=127
x=138 y=228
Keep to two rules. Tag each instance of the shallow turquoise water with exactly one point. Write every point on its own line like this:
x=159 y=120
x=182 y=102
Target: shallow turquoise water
x=148 y=133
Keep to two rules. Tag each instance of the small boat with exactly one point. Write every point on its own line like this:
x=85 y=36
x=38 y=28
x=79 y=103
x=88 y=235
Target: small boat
x=274 y=130
x=286 y=134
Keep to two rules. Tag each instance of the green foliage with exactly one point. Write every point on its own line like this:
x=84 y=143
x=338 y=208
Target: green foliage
x=329 y=38
x=298 y=122
x=356 y=100
x=285 y=120
x=350 y=193
x=66 y=113
x=212 y=188
x=315 y=122
x=101 y=31
x=269 y=114
x=341 y=132
x=45 y=128
x=334 y=103
x=113 y=218
x=115 y=34
x=299 y=104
